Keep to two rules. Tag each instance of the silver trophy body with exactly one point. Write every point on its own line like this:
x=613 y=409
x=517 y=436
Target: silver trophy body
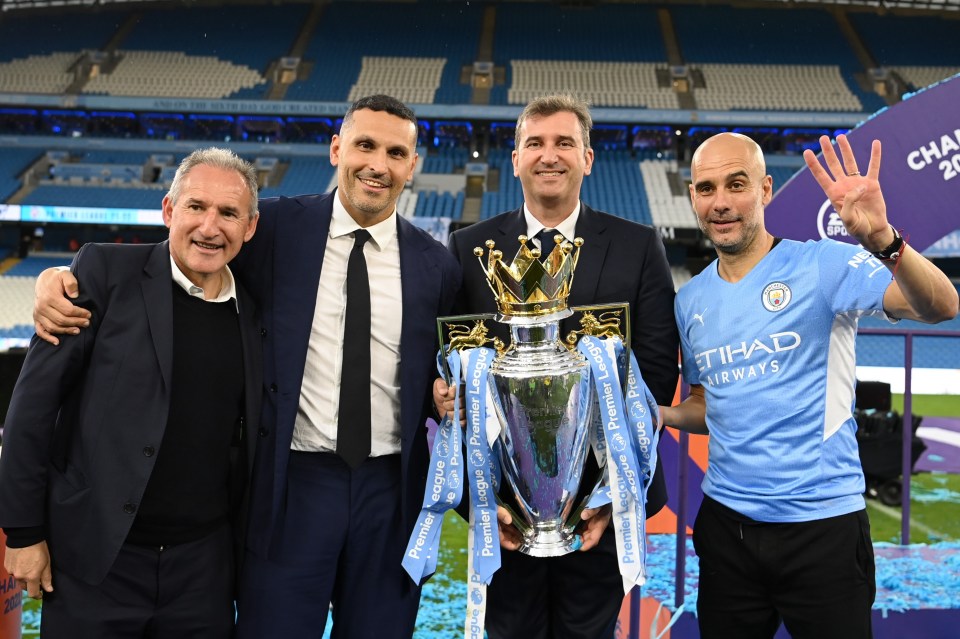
x=543 y=399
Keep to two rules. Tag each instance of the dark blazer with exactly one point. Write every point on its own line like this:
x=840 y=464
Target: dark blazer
x=86 y=415
x=281 y=268
x=620 y=261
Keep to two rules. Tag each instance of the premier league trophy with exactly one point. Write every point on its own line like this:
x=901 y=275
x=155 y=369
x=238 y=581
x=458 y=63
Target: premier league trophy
x=541 y=393
x=546 y=419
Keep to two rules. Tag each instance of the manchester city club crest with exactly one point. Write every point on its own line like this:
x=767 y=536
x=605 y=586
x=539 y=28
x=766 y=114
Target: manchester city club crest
x=776 y=296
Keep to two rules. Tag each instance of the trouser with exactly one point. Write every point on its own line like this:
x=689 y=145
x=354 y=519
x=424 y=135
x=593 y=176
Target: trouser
x=158 y=592
x=576 y=596
x=339 y=545
x=817 y=577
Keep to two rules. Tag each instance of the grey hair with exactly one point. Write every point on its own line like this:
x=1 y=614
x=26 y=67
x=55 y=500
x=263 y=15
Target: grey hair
x=222 y=159
x=557 y=103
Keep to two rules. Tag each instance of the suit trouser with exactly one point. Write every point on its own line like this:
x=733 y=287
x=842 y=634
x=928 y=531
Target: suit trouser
x=178 y=592
x=338 y=547
x=816 y=576
x=576 y=596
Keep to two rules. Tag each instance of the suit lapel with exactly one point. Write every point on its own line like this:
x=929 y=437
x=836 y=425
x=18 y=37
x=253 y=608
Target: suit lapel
x=592 y=256
x=253 y=370
x=512 y=226
x=419 y=281
x=302 y=233
x=157 y=290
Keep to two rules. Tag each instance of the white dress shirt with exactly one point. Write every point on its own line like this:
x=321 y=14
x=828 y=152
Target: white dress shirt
x=228 y=287
x=315 y=429
x=567 y=228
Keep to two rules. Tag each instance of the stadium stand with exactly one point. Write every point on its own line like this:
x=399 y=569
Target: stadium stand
x=508 y=194
x=422 y=22
x=632 y=47
x=777 y=87
x=303 y=175
x=909 y=40
x=45 y=33
x=96 y=196
x=920 y=77
x=922 y=50
x=412 y=80
x=616 y=186
x=38 y=73
x=595 y=31
x=668 y=206
x=12 y=163
x=617 y=84
x=249 y=37
x=724 y=35
x=16 y=304
x=433 y=204
x=173 y=74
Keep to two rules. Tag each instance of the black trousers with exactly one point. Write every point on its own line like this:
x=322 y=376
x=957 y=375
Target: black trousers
x=817 y=577
x=340 y=542
x=576 y=596
x=178 y=592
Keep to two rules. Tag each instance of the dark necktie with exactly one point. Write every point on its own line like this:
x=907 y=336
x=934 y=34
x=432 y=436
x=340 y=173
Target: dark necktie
x=547 y=243
x=353 y=427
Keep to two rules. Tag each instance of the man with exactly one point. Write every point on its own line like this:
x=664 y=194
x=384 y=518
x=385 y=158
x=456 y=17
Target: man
x=126 y=447
x=768 y=333
x=325 y=530
x=580 y=594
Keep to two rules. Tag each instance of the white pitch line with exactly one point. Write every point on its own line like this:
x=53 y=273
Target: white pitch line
x=893 y=513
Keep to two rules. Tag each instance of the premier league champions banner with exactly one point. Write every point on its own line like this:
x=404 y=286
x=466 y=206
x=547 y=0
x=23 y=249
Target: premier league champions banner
x=919 y=173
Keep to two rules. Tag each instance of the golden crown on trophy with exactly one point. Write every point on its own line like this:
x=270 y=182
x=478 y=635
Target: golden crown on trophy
x=530 y=287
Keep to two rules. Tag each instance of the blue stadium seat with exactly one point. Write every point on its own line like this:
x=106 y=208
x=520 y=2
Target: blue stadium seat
x=332 y=82
x=304 y=175
x=12 y=162
x=32 y=266
x=23 y=34
x=97 y=197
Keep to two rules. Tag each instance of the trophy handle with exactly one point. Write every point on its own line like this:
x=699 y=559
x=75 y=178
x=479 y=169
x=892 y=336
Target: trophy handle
x=458 y=332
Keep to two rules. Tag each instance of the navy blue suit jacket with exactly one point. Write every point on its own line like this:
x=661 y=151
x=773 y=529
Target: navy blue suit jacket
x=620 y=261
x=85 y=414
x=281 y=267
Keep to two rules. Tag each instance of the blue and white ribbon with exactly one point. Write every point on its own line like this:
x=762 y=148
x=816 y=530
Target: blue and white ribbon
x=443 y=492
x=622 y=431
x=483 y=535
x=630 y=438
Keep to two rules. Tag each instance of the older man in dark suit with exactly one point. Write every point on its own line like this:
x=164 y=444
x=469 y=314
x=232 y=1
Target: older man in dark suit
x=126 y=447
x=577 y=595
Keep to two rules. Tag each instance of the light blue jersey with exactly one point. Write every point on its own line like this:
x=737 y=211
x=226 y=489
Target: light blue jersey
x=774 y=353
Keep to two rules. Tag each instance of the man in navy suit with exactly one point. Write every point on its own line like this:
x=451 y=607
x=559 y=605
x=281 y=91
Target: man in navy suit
x=126 y=447
x=577 y=595
x=324 y=530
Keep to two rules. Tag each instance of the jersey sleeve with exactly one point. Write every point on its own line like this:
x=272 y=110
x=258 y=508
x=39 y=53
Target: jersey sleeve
x=851 y=279
x=688 y=365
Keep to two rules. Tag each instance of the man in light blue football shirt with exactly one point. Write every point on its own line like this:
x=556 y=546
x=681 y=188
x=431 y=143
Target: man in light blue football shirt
x=767 y=333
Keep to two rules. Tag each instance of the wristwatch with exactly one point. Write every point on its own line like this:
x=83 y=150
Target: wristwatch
x=893 y=251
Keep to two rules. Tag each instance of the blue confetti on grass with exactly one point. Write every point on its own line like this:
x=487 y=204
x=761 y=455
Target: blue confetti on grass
x=914 y=577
